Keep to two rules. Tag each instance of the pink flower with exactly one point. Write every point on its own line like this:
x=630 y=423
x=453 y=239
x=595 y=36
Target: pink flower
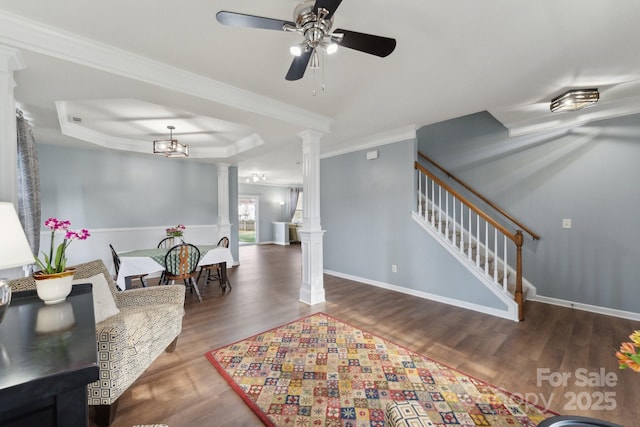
x=176 y=231
x=55 y=261
x=56 y=224
x=77 y=235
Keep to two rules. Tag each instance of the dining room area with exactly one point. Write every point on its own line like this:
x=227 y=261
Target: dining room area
x=174 y=260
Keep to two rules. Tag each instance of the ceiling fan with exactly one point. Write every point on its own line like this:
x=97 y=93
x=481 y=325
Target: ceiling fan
x=313 y=21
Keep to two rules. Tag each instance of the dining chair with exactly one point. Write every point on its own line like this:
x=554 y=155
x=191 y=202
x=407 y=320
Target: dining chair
x=214 y=271
x=167 y=242
x=116 y=265
x=181 y=263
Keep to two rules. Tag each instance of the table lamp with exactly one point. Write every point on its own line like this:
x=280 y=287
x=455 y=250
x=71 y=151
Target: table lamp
x=14 y=249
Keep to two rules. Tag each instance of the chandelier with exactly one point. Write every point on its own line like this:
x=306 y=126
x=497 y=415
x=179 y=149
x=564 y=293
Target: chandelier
x=170 y=147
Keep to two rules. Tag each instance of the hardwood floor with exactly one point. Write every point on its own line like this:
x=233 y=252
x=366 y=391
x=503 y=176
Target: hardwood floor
x=183 y=389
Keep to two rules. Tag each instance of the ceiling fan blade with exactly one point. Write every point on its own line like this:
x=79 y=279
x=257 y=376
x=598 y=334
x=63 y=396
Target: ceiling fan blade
x=368 y=43
x=251 y=21
x=330 y=5
x=298 y=66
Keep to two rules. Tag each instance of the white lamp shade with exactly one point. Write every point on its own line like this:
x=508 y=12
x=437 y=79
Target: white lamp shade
x=14 y=247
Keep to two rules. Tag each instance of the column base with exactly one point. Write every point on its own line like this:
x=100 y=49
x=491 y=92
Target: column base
x=312 y=287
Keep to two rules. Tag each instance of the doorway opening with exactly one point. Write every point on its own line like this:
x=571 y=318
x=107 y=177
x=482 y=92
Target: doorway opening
x=248 y=219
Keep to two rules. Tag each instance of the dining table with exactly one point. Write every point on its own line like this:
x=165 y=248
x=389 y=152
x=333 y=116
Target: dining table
x=148 y=261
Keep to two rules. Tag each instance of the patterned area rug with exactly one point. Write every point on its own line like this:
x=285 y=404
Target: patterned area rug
x=319 y=371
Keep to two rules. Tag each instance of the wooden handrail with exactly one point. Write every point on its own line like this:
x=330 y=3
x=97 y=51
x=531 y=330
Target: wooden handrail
x=516 y=237
x=466 y=201
x=481 y=197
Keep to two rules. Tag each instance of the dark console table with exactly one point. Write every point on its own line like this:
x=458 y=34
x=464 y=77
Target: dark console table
x=47 y=357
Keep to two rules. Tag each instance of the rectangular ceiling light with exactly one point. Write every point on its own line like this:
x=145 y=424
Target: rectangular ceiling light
x=574 y=100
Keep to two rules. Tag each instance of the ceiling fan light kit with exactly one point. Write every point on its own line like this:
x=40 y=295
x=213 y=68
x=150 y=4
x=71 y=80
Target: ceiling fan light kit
x=574 y=100
x=313 y=21
x=170 y=147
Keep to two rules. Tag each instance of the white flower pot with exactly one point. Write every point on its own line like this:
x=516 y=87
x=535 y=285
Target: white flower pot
x=54 y=288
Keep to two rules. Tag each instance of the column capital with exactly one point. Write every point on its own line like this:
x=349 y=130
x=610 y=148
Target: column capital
x=10 y=59
x=311 y=135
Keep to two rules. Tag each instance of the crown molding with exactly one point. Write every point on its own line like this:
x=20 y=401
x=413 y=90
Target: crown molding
x=388 y=137
x=74 y=130
x=35 y=36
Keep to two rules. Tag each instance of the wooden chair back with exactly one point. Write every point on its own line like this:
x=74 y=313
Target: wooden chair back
x=181 y=261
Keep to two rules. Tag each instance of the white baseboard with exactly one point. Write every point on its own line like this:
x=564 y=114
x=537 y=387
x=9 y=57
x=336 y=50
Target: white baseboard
x=587 y=307
x=488 y=310
x=505 y=314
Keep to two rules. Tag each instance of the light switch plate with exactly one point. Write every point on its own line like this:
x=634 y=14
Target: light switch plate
x=566 y=223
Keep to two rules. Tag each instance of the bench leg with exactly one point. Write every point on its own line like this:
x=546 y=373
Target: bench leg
x=172 y=346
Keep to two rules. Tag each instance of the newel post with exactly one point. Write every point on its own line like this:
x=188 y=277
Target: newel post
x=518 y=294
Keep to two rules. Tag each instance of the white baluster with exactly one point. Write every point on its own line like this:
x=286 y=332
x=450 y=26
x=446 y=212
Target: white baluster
x=433 y=204
x=461 y=226
x=486 y=248
x=470 y=234
x=439 y=208
x=504 y=264
x=446 y=214
x=495 y=254
x=420 y=192
x=477 y=240
x=453 y=234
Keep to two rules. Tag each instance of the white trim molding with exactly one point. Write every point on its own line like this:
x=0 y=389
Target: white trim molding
x=37 y=37
x=505 y=314
x=388 y=137
x=587 y=307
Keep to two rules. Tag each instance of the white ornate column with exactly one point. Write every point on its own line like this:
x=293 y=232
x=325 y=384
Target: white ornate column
x=311 y=234
x=224 y=226
x=10 y=61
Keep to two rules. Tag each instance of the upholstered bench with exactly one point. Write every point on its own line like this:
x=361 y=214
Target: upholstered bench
x=132 y=329
x=407 y=413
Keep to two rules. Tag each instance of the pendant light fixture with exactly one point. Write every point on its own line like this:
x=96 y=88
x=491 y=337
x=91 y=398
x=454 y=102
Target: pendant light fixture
x=170 y=147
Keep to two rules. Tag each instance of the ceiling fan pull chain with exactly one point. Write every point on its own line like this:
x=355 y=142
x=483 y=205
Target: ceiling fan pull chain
x=315 y=85
x=324 y=64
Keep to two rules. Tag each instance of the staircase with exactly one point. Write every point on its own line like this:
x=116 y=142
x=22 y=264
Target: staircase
x=489 y=245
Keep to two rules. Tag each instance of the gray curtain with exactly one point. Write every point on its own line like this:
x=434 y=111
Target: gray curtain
x=293 y=201
x=28 y=182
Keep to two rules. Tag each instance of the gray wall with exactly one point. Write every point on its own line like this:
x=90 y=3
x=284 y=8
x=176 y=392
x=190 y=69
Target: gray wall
x=366 y=212
x=589 y=174
x=269 y=209
x=98 y=189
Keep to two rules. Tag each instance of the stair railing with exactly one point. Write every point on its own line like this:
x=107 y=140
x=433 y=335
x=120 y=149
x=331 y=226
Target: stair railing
x=472 y=231
x=514 y=221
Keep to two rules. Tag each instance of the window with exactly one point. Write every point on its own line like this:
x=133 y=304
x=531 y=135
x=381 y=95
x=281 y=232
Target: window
x=297 y=216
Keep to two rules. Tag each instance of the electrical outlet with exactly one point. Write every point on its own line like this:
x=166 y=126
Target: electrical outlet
x=566 y=223
x=394 y=268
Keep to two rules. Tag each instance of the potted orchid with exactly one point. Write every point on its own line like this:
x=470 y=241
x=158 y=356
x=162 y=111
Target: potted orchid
x=629 y=353
x=54 y=278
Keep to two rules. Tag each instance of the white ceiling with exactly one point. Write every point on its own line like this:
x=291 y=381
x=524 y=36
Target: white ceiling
x=129 y=69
